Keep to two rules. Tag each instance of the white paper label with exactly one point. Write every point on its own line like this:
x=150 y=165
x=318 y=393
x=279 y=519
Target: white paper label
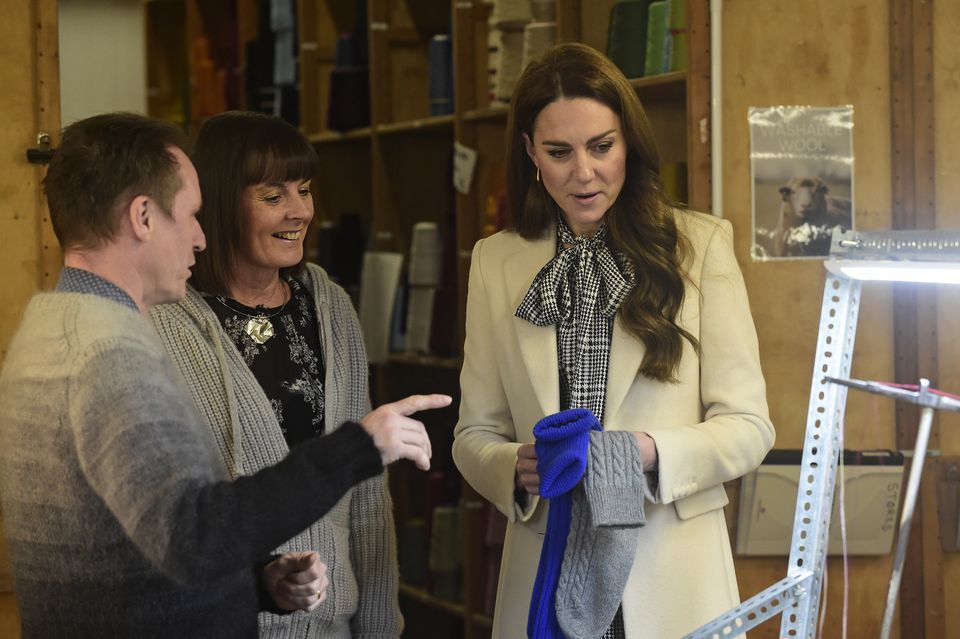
x=464 y=161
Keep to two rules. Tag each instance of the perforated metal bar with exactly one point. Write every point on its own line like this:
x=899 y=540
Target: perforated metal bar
x=757 y=609
x=818 y=471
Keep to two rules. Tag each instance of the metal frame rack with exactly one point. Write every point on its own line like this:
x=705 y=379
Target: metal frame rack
x=797 y=596
x=915 y=256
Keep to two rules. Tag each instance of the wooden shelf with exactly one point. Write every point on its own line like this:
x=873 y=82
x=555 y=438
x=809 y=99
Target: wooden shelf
x=437 y=122
x=420 y=124
x=665 y=86
x=328 y=137
x=421 y=596
x=489 y=113
x=483 y=621
x=432 y=361
x=674 y=77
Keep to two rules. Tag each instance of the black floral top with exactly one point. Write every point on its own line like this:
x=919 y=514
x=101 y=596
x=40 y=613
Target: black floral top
x=289 y=366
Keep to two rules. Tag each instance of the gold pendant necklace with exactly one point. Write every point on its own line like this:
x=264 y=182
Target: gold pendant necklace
x=258 y=327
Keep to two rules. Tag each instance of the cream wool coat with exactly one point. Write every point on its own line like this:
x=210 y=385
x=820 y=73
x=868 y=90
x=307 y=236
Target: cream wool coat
x=711 y=427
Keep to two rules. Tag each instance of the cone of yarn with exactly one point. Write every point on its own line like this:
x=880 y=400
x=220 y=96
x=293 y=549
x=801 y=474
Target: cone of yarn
x=537 y=38
x=510 y=63
x=445 y=539
x=493 y=63
x=446 y=552
x=419 y=314
x=658 y=38
x=440 y=75
x=423 y=276
x=346 y=52
x=398 y=320
x=674 y=178
x=434 y=495
x=627 y=36
x=426 y=251
x=680 y=36
x=511 y=15
x=543 y=10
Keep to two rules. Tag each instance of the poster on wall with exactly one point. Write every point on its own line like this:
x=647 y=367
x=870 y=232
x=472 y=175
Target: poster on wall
x=801 y=161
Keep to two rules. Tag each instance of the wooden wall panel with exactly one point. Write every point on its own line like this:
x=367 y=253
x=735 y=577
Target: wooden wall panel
x=827 y=54
x=30 y=260
x=20 y=216
x=946 y=62
x=913 y=180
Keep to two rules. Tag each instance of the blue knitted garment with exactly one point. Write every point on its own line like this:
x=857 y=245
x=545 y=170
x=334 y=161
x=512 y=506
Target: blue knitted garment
x=562 y=443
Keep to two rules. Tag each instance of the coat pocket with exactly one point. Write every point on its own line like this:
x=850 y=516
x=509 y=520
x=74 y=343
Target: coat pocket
x=701 y=502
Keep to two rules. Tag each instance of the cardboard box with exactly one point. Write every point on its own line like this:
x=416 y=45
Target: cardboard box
x=768 y=498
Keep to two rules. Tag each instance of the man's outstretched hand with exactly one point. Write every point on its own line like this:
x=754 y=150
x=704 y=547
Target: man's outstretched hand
x=396 y=435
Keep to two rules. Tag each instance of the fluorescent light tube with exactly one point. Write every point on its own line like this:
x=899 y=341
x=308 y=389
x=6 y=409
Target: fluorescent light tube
x=897 y=271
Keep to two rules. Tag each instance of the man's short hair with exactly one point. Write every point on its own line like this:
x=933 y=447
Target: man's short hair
x=103 y=162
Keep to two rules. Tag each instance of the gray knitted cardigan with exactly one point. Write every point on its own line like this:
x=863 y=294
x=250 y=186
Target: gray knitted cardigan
x=356 y=539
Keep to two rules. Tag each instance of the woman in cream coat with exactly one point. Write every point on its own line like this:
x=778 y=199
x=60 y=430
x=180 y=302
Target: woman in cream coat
x=581 y=156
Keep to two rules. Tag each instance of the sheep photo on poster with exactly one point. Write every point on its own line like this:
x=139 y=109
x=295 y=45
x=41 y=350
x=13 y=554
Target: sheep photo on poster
x=801 y=159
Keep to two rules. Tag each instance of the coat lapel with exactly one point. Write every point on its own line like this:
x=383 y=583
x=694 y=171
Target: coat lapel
x=626 y=353
x=538 y=344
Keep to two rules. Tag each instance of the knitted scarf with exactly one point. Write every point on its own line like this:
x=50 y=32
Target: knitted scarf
x=580 y=290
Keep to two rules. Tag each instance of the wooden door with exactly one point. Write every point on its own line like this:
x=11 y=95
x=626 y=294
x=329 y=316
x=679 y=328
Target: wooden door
x=29 y=255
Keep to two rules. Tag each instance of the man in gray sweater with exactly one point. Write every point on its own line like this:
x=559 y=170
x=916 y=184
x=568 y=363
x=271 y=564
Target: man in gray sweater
x=121 y=519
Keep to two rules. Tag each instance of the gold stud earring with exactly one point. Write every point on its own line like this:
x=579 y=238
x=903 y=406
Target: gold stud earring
x=538 y=174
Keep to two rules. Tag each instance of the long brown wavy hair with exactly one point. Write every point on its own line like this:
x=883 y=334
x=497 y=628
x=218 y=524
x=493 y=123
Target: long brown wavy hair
x=640 y=223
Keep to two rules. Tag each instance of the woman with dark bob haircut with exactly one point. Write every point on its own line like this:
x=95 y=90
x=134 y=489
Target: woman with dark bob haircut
x=272 y=352
x=610 y=330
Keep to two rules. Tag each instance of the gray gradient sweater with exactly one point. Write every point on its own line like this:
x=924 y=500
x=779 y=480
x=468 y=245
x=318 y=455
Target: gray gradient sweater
x=356 y=539
x=120 y=515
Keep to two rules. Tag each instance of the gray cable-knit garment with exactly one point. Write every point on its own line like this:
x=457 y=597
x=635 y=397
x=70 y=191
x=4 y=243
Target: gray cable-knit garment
x=607 y=513
x=356 y=539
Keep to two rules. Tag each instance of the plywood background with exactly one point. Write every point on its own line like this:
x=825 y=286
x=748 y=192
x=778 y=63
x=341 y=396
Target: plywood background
x=946 y=57
x=18 y=187
x=29 y=256
x=18 y=180
x=824 y=54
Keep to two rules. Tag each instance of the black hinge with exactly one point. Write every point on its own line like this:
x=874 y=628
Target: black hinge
x=42 y=153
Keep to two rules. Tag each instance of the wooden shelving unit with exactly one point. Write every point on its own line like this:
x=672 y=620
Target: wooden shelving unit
x=197 y=57
x=397 y=171
x=408 y=177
